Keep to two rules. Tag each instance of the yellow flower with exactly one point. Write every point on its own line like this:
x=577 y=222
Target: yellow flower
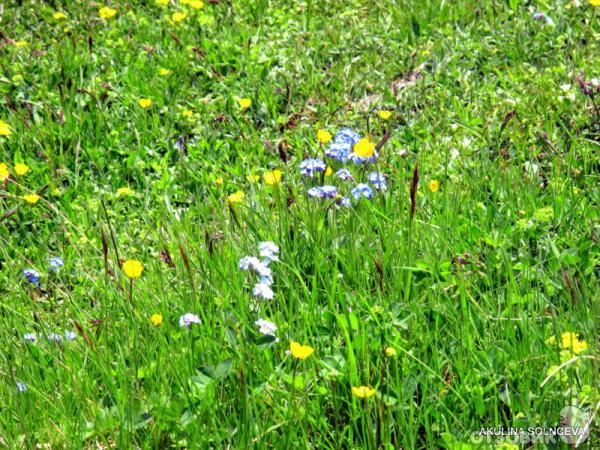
x=364 y=148
x=132 y=268
x=21 y=169
x=31 y=198
x=236 y=197
x=197 y=4
x=59 y=16
x=253 y=178
x=5 y=130
x=323 y=136
x=219 y=181
x=570 y=341
x=156 y=320
x=433 y=185
x=363 y=391
x=383 y=114
x=245 y=103
x=328 y=171
x=20 y=44
x=184 y=2
x=300 y=351
x=145 y=103
x=594 y=2
x=124 y=191
x=390 y=352
x=162 y=2
x=163 y=72
x=107 y=13
x=4 y=173
x=178 y=17
x=272 y=178
x=187 y=113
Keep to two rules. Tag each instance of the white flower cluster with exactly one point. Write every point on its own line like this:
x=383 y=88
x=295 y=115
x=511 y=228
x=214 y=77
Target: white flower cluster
x=269 y=252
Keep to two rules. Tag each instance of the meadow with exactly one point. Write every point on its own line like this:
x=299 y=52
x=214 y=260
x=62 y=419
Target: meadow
x=319 y=224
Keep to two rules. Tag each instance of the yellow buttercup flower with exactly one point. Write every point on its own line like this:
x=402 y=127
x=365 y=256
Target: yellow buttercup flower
x=178 y=17
x=31 y=198
x=363 y=391
x=236 y=197
x=187 y=113
x=272 y=178
x=4 y=173
x=390 y=352
x=570 y=341
x=59 y=16
x=132 y=268
x=323 y=136
x=20 y=44
x=107 y=13
x=156 y=320
x=300 y=351
x=594 y=2
x=21 y=169
x=219 y=181
x=124 y=191
x=433 y=185
x=245 y=103
x=197 y=4
x=364 y=148
x=328 y=171
x=145 y=103
x=163 y=72
x=5 y=130
x=383 y=114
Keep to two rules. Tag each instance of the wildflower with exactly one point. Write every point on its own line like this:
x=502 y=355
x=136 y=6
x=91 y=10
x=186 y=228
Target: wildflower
x=344 y=175
x=31 y=198
x=187 y=113
x=32 y=275
x=383 y=114
x=4 y=173
x=70 y=335
x=259 y=267
x=30 y=337
x=378 y=180
x=323 y=136
x=107 y=13
x=328 y=171
x=156 y=320
x=390 y=352
x=59 y=16
x=132 y=268
x=363 y=391
x=236 y=197
x=188 y=319
x=248 y=262
x=268 y=250
x=267 y=328
x=570 y=341
x=272 y=178
x=338 y=151
x=245 y=103
x=343 y=201
x=362 y=190
x=322 y=192
x=21 y=169
x=54 y=337
x=219 y=181
x=164 y=72
x=594 y=2
x=21 y=387
x=346 y=136
x=543 y=17
x=197 y=4
x=300 y=351
x=162 y=3
x=145 y=103
x=364 y=148
x=178 y=17
x=253 y=178
x=309 y=166
x=56 y=262
x=263 y=290
x=20 y=44
x=433 y=185
x=125 y=191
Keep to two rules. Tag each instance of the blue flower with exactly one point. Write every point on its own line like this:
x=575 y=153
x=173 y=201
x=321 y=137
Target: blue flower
x=346 y=136
x=30 y=337
x=32 y=275
x=70 y=335
x=344 y=175
x=378 y=180
x=353 y=157
x=309 y=166
x=269 y=251
x=344 y=201
x=55 y=337
x=322 y=192
x=263 y=290
x=188 y=319
x=339 y=151
x=362 y=190
x=21 y=387
x=56 y=262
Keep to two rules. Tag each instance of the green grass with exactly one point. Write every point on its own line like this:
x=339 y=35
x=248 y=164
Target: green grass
x=501 y=258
